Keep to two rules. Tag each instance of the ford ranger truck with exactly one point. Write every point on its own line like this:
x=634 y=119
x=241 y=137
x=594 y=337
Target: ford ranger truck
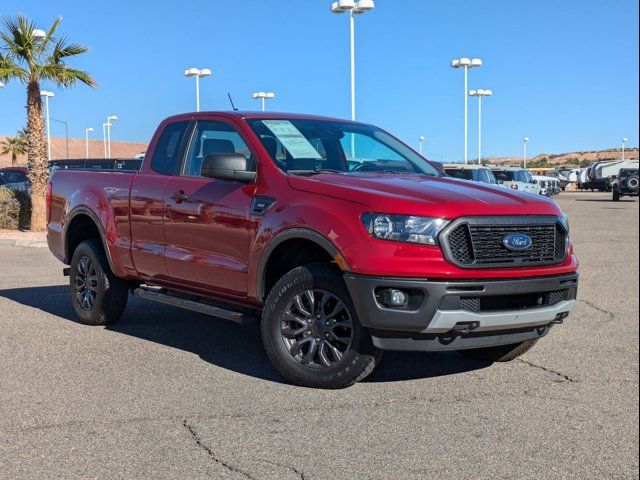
x=335 y=237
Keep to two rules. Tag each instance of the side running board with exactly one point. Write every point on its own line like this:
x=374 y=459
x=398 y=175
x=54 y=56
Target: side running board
x=194 y=305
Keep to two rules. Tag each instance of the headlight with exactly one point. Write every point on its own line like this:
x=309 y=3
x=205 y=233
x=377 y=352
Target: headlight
x=404 y=228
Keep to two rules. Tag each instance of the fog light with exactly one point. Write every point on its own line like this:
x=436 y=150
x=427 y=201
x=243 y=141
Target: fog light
x=394 y=298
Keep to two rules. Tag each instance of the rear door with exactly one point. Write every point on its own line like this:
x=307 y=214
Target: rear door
x=146 y=211
x=206 y=225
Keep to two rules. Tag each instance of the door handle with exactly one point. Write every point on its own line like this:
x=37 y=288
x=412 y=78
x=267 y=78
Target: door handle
x=179 y=197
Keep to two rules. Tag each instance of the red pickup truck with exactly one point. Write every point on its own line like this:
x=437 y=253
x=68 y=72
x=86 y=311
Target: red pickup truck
x=334 y=236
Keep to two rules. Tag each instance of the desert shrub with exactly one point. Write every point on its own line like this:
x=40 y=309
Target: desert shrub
x=9 y=210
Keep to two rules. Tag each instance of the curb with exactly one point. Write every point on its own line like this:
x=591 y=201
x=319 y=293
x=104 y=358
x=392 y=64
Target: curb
x=13 y=242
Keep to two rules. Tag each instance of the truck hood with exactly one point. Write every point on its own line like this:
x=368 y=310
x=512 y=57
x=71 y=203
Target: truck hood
x=443 y=197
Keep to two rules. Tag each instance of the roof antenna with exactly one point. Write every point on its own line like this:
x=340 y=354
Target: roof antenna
x=231 y=101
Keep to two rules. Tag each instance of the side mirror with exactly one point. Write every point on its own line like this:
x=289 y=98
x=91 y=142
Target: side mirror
x=228 y=166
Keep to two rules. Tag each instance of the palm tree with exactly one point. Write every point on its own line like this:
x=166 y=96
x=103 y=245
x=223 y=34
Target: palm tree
x=14 y=146
x=30 y=58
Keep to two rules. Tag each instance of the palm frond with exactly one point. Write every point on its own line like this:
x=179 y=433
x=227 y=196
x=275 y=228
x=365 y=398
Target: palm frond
x=64 y=76
x=18 y=37
x=63 y=49
x=9 y=70
x=49 y=36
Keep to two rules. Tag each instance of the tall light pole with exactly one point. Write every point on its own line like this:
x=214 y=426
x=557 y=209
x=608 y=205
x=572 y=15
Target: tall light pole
x=197 y=72
x=46 y=96
x=353 y=8
x=87 y=131
x=480 y=93
x=466 y=64
x=421 y=140
x=104 y=138
x=525 y=140
x=263 y=96
x=108 y=135
x=66 y=133
x=624 y=140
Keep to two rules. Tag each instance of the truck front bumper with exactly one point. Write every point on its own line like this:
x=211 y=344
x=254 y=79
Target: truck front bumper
x=453 y=315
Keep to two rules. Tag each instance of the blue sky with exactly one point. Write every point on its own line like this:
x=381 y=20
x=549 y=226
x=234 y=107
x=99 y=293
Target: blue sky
x=564 y=73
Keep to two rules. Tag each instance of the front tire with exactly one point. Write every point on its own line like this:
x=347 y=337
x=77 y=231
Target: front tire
x=502 y=353
x=98 y=296
x=311 y=332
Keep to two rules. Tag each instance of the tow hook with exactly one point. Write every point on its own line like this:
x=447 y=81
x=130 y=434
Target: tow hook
x=559 y=320
x=463 y=328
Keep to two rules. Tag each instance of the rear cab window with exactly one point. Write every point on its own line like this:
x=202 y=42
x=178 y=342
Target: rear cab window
x=167 y=157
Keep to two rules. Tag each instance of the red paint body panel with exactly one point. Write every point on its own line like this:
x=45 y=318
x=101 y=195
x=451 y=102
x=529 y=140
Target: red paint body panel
x=212 y=244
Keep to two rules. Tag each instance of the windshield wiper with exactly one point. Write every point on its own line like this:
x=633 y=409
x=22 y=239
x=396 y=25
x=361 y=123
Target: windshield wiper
x=314 y=172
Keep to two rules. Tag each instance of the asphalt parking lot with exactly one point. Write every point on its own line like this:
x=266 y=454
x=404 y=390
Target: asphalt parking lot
x=172 y=394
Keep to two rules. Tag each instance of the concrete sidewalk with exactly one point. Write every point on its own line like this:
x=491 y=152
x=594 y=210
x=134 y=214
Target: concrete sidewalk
x=22 y=238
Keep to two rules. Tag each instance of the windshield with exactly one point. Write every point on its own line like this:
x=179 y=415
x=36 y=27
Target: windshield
x=301 y=146
x=459 y=173
x=504 y=175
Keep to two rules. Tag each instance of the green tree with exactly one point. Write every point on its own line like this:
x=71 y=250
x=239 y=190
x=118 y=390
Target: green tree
x=29 y=58
x=14 y=146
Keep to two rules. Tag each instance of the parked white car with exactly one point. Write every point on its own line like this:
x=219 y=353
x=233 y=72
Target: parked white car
x=549 y=186
x=516 y=178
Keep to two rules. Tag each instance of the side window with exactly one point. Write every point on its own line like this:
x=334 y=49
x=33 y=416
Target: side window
x=167 y=156
x=212 y=137
x=482 y=176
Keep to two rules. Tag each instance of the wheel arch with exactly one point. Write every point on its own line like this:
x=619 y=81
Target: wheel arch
x=320 y=247
x=83 y=218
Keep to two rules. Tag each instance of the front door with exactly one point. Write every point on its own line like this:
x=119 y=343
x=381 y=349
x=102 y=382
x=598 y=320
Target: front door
x=206 y=225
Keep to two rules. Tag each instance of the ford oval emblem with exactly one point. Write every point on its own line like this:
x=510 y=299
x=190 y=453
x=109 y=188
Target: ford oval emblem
x=517 y=241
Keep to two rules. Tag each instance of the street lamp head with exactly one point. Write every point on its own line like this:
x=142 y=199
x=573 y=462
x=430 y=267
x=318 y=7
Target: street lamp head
x=474 y=93
x=488 y=93
x=476 y=62
x=525 y=139
x=364 y=6
x=190 y=72
x=44 y=93
x=1 y=84
x=346 y=4
x=39 y=34
x=205 y=72
x=270 y=95
x=464 y=62
x=625 y=140
x=112 y=117
x=89 y=130
x=421 y=138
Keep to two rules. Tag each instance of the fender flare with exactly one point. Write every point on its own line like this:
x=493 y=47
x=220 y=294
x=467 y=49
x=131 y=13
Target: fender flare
x=291 y=234
x=86 y=211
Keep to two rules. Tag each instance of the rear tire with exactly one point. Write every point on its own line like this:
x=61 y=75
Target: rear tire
x=98 y=296
x=502 y=353
x=311 y=332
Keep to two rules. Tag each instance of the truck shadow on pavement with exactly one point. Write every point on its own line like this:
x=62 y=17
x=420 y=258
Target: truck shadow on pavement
x=225 y=344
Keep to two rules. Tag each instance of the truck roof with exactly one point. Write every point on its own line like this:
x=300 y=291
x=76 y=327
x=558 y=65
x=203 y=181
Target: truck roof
x=462 y=166
x=239 y=114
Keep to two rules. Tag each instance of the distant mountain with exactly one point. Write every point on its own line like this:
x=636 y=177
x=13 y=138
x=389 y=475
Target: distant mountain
x=77 y=150
x=573 y=159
